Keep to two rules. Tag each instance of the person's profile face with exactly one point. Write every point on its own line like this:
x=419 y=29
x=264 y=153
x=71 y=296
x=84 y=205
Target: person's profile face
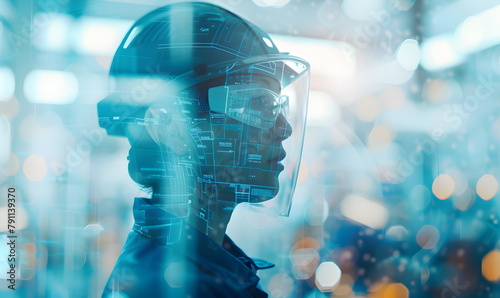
x=251 y=155
x=239 y=151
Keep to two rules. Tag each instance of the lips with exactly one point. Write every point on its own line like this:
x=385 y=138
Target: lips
x=278 y=157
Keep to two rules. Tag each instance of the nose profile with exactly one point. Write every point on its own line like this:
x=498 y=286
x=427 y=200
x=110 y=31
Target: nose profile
x=282 y=127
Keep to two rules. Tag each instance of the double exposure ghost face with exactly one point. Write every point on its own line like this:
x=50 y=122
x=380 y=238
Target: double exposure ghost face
x=249 y=157
x=248 y=148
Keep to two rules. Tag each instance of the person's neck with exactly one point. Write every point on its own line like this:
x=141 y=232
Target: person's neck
x=213 y=223
x=215 y=227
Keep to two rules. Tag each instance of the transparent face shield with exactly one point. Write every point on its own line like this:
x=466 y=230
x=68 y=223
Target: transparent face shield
x=266 y=102
x=232 y=135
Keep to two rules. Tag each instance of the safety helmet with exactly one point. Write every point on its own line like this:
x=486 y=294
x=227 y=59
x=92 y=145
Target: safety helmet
x=200 y=58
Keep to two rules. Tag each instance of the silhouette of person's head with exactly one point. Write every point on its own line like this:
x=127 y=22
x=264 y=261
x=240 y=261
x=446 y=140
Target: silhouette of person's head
x=206 y=101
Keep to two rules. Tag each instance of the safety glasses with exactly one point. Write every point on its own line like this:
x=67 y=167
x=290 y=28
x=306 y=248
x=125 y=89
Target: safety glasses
x=250 y=104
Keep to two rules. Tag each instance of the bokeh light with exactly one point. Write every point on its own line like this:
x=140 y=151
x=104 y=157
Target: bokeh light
x=174 y=273
x=368 y=109
x=304 y=261
x=489 y=266
x=9 y=108
x=461 y=181
x=318 y=166
x=380 y=136
x=345 y=286
x=419 y=197
x=364 y=211
x=393 y=97
x=35 y=168
x=303 y=172
x=11 y=167
x=304 y=258
x=98 y=36
x=487 y=187
x=324 y=112
x=428 y=237
x=280 y=285
x=316 y=212
x=55 y=36
x=439 y=52
x=385 y=289
x=465 y=200
x=396 y=290
x=49 y=86
x=441 y=90
x=397 y=233
x=443 y=186
x=408 y=54
x=327 y=276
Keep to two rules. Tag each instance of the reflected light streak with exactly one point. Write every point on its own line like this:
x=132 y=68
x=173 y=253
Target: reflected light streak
x=478 y=32
x=475 y=34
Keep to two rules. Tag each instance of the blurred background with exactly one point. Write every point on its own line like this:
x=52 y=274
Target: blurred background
x=397 y=195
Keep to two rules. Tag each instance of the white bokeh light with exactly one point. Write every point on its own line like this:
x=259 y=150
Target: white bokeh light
x=408 y=54
x=327 y=276
x=364 y=211
x=52 y=87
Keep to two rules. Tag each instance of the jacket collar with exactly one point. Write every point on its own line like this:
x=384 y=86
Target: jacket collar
x=227 y=262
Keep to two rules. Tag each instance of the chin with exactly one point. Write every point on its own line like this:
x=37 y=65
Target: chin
x=263 y=194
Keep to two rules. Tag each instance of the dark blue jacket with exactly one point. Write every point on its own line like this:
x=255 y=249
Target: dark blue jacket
x=165 y=257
